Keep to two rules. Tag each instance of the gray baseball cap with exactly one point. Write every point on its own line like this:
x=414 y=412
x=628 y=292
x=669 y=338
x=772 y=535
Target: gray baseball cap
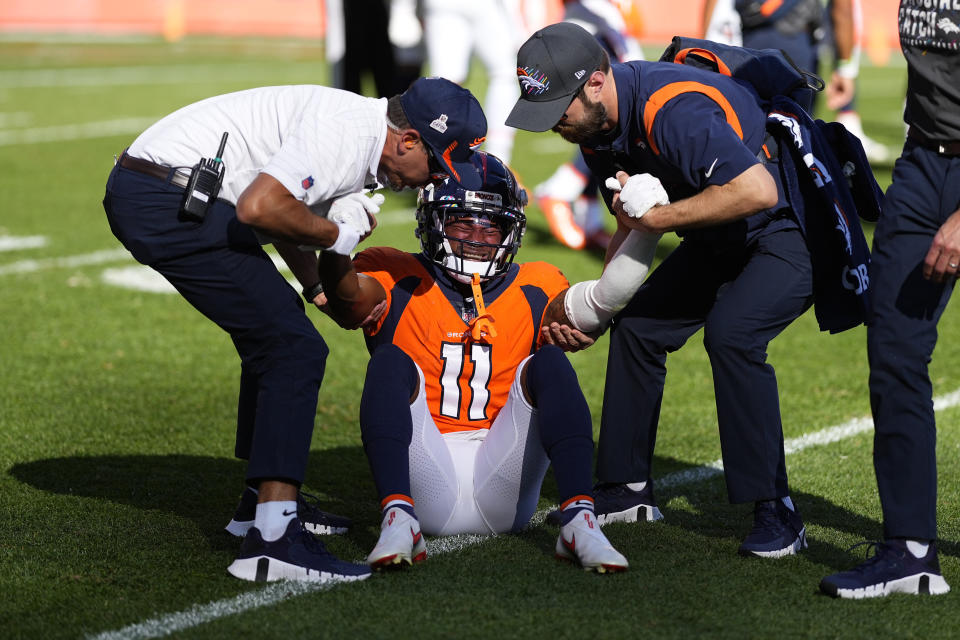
x=551 y=66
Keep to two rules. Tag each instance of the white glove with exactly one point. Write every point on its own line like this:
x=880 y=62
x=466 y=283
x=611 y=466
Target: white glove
x=355 y=209
x=641 y=193
x=347 y=239
x=351 y=211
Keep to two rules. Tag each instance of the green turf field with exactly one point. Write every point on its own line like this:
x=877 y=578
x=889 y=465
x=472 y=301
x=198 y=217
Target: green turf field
x=117 y=408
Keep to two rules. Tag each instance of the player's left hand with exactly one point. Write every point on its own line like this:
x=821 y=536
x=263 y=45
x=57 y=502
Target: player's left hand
x=566 y=337
x=375 y=314
x=943 y=259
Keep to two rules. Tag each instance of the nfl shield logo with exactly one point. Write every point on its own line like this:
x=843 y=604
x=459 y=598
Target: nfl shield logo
x=307 y=182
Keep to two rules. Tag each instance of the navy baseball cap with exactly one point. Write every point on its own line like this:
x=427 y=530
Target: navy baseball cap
x=450 y=121
x=551 y=66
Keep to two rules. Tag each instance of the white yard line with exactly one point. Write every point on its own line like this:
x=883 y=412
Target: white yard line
x=125 y=76
x=277 y=592
x=15 y=243
x=83 y=131
x=42 y=264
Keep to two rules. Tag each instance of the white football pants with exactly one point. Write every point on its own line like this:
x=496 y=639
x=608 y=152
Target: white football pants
x=481 y=482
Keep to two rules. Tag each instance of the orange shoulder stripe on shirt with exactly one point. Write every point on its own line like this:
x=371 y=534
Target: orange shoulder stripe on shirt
x=681 y=57
x=768 y=7
x=667 y=92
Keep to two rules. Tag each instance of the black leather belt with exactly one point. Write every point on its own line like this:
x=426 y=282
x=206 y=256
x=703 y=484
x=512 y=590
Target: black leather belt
x=153 y=169
x=943 y=147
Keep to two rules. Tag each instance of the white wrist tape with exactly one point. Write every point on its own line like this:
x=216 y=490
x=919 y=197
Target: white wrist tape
x=850 y=67
x=591 y=304
x=347 y=239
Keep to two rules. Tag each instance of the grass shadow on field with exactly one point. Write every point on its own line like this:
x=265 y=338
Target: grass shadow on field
x=203 y=489
x=703 y=508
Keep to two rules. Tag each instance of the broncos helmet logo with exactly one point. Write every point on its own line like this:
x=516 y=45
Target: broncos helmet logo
x=532 y=85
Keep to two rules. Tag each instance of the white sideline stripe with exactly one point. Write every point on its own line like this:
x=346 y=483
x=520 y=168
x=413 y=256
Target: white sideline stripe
x=12 y=243
x=201 y=613
x=66 y=132
x=848 y=429
x=273 y=593
x=146 y=75
x=97 y=257
x=143 y=278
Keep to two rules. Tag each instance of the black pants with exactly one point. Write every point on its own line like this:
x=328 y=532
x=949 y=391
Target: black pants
x=743 y=298
x=901 y=338
x=220 y=269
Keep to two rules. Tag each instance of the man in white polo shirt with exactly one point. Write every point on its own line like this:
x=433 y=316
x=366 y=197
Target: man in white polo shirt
x=295 y=166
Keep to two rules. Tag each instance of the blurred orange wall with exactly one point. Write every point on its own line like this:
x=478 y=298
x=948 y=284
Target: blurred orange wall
x=174 y=18
x=656 y=20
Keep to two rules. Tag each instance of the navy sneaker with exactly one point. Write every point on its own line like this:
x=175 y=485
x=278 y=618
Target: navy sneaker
x=777 y=531
x=296 y=555
x=891 y=569
x=314 y=519
x=618 y=503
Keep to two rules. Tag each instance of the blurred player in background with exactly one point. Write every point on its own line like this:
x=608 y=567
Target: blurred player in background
x=381 y=37
x=569 y=198
x=463 y=407
x=492 y=30
x=721 y=22
x=846 y=26
x=839 y=28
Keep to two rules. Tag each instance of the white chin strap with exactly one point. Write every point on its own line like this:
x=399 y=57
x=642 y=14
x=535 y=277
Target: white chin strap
x=461 y=269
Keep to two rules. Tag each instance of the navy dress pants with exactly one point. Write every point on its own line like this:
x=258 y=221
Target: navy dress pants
x=901 y=338
x=743 y=295
x=219 y=267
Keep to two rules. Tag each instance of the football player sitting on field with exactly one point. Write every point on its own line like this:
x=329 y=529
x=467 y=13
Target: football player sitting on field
x=464 y=406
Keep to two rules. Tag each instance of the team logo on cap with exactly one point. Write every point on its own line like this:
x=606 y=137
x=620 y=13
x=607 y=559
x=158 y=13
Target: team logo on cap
x=533 y=81
x=440 y=124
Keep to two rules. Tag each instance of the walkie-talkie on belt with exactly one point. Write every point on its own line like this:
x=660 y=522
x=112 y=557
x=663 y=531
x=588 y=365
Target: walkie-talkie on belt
x=204 y=184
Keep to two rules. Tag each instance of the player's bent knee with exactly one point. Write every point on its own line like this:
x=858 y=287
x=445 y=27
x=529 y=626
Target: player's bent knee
x=389 y=365
x=548 y=370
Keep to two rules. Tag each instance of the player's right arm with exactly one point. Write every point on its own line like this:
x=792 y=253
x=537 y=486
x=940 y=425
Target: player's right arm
x=353 y=299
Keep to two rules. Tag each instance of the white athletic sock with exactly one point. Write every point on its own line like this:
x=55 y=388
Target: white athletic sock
x=917 y=548
x=273 y=517
x=636 y=486
x=788 y=503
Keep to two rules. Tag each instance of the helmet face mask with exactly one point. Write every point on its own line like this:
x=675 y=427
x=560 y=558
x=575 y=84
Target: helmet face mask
x=473 y=232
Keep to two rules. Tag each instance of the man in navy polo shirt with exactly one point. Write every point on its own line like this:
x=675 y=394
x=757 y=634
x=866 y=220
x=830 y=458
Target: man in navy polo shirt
x=742 y=271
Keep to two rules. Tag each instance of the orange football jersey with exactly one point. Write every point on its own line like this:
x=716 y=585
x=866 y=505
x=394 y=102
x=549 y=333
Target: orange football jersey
x=467 y=381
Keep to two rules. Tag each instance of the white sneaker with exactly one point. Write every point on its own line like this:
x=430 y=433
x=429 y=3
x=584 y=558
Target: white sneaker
x=400 y=543
x=565 y=184
x=582 y=541
x=875 y=151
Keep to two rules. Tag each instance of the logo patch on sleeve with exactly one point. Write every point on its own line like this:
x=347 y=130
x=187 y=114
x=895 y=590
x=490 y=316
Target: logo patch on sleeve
x=307 y=182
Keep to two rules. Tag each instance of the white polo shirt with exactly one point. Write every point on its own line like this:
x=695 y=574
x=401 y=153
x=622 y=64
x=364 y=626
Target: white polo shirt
x=320 y=143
